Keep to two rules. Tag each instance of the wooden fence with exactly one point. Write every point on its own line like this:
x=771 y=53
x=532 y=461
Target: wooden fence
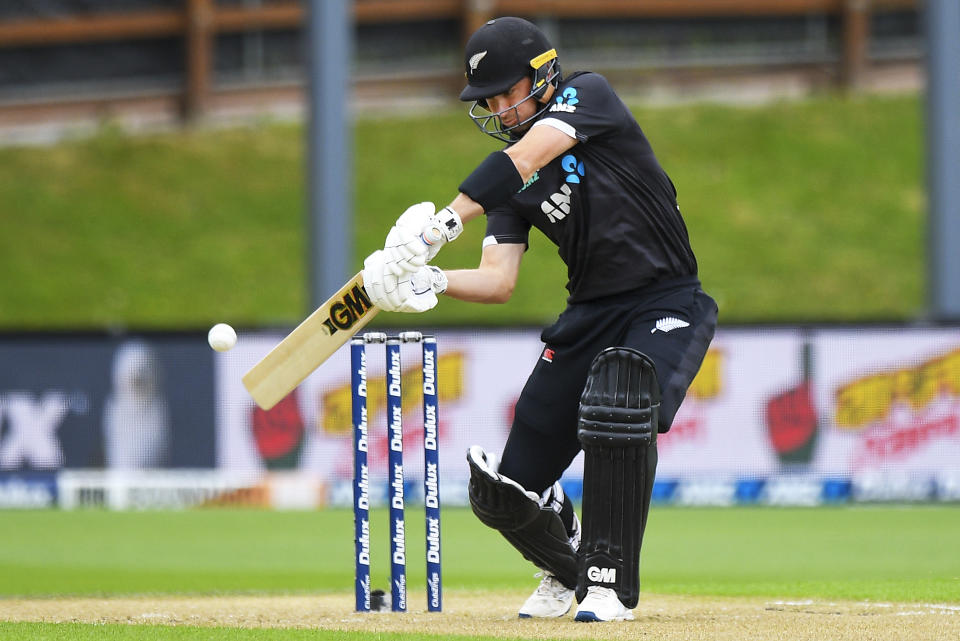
x=199 y=21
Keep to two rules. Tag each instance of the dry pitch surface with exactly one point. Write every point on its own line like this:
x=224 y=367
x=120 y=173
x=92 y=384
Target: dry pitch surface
x=494 y=614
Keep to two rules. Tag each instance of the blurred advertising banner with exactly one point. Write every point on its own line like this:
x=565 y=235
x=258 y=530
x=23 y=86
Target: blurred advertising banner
x=722 y=426
x=890 y=401
x=480 y=375
x=121 y=403
x=775 y=414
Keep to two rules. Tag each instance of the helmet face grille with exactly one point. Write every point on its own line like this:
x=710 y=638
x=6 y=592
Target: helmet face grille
x=491 y=124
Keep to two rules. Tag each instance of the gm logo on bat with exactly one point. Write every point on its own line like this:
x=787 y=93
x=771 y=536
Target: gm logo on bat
x=348 y=310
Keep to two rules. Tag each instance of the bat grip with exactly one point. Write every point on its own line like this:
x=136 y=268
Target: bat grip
x=431 y=235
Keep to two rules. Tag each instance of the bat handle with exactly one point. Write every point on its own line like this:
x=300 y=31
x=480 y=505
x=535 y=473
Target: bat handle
x=431 y=235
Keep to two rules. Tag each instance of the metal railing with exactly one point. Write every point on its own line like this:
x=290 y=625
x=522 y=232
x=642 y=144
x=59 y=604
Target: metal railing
x=199 y=22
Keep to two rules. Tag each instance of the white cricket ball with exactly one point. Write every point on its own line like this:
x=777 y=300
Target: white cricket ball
x=222 y=337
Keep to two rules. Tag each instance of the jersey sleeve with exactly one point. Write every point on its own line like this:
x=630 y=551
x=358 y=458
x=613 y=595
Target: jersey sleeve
x=586 y=106
x=504 y=227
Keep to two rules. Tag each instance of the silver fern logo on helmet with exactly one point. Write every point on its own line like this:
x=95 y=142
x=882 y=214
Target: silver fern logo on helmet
x=475 y=60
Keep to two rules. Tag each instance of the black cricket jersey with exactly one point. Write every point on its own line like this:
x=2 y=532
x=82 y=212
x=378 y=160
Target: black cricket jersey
x=606 y=203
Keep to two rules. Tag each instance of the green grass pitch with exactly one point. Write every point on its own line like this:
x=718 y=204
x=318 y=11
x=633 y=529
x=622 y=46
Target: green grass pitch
x=875 y=552
x=881 y=553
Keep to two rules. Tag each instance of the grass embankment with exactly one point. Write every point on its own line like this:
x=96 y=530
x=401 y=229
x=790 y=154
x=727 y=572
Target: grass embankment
x=800 y=211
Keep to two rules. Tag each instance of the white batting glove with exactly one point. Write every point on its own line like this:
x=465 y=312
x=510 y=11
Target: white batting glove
x=427 y=279
x=415 y=303
x=380 y=282
x=390 y=293
x=418 y=235
x=405 y=251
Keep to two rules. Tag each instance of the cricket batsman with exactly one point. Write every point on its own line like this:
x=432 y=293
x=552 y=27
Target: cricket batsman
x=617 y=362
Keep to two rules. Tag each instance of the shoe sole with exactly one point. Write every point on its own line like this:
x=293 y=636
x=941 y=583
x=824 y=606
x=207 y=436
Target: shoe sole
x=587 y=616
x=524 y=615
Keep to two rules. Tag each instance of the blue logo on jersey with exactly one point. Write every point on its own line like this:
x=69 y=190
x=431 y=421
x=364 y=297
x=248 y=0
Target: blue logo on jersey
x=569 y=97
x=566 y=102
x=573 y=167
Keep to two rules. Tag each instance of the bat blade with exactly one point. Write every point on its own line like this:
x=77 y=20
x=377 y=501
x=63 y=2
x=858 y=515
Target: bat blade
x=312 y=342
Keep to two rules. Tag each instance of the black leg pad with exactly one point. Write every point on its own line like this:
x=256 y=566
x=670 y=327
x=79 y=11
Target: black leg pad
x=537 y=532
x=618 y=430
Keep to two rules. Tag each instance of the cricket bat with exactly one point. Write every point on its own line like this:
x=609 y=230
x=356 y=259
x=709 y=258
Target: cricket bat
x=313 y=341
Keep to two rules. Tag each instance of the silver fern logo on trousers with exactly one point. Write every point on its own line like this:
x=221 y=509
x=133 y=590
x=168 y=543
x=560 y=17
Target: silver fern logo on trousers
x=669 y=323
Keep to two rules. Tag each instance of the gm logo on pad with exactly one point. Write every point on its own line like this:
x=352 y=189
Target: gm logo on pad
x=602 y=575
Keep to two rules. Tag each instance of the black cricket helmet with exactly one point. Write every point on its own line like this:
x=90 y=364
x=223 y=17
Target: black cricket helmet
x=498 y=55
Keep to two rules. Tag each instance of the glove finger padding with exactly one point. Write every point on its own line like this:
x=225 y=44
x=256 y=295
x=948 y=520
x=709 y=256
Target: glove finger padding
x=395 y=298
x=419 y=303
x=405 y=251
x=381 y=285
x=404 y=245
x=411 y=302
x=416 y=217
x=388 y=292
x=429 y=278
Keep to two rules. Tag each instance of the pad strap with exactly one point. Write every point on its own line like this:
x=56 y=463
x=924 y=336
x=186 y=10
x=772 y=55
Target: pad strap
x=493 y=182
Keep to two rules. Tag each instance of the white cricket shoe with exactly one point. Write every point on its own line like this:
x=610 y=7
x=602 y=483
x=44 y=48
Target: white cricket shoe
x=602 y=604
x=551 y=599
